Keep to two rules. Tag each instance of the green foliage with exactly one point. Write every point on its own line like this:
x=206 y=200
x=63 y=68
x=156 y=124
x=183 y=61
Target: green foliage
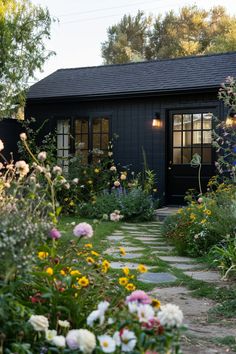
x=199 y=226
x=224 y=256
x=192 y=31
x=24 y=28
x=134 y=205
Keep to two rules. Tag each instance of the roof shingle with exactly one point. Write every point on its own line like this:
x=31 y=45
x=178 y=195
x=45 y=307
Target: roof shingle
x=165 y=75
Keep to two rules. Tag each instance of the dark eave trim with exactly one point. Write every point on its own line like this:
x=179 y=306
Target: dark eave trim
x=126 y=95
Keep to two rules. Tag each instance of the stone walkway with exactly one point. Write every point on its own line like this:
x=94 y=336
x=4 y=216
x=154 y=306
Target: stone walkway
x=144 y=244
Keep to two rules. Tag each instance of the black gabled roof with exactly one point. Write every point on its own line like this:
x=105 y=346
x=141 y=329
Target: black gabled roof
x=186 y=73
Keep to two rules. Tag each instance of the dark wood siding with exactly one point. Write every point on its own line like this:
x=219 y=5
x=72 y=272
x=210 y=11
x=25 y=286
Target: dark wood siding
x=132 y=121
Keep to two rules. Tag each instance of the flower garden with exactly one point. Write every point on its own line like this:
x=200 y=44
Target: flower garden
x=59 y=292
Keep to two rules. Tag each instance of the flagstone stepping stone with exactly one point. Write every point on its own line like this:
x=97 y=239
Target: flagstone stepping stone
x=146 y=238
x=177 y=259
x=157 y=278
x=133 y=249
x=119 y=265
x=186 y=266
x=207 y=276
x=115 y=238
x=128 y=255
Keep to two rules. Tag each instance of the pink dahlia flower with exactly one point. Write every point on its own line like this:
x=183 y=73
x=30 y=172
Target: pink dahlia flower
x=55 y=234
x=83 y=230
x=139 y=296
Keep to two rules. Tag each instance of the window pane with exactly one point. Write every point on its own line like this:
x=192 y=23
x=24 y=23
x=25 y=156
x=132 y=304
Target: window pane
x=187 y=138
x=197 y=137
x=177 y=139
x=176 y=156
x=206 y=155
x=186 y=156
x=104 y=142
x=197 y=121
x=96 y=141
x=207 y=121
x=187 y=122
x=177 y=121
x=207 y=137
x=105 y=125
x=97 y=125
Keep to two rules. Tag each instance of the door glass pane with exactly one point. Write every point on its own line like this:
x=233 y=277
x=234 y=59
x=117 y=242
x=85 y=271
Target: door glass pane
x=176 y=156
x=206 y=155
x=197 y=151
x=84 y=126
x=186 y=156
x=105 y=125
x=197 y=137
x=187 y=138
x=177 y=121
x=177 y=139
x=207 y=137
x=97 y=125
x=197 y=121
x=187 y=122
x=207 y=121
x=96 y=141
x=104 y=142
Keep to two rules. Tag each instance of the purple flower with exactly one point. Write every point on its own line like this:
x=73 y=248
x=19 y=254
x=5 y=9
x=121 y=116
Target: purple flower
x=83 y=230
x=139 y=296
x=55 y=234
x=234 y=149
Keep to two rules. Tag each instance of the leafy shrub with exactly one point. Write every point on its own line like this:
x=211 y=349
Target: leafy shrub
x=199 y=226
x=133 y=205
x=224 y=257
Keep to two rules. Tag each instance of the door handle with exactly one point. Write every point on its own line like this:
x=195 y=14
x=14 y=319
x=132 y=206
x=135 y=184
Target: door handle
x=169 y=168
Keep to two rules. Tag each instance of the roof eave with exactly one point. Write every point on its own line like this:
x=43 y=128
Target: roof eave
x=117 y=95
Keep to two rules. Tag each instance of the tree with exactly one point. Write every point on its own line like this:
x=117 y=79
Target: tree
x=23 y=29
x=127 y=40
x=191 y=31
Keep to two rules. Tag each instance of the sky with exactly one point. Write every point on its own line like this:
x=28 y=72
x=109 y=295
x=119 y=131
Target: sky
x=82 y=24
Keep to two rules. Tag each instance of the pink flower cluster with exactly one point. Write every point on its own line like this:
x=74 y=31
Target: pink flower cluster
x=83 y=230
x=139 y=296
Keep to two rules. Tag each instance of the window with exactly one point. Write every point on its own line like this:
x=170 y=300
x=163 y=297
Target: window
x=191 y=133
x=63 y=142
x=86 y=135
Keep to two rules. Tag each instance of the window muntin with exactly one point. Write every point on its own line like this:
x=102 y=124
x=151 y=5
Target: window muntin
x=191 y=133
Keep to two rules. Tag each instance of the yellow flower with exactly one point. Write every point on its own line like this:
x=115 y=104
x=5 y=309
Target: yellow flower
x=123 y=281
x=154 y=190
x=130 y=287
x=142 y=268
x=203 y=221
x=49 y=271
x=42 y=255
x=72 y=203
x=95 y=253
x=123 y=177
x=75 y=272
x=122 y=251
x=83 y=282
x=88 y=245
x=106 y=264
x=125 y=271
x=207 y=212
x=90 y=260
x=96 y=170
x=156 y=304
x=63 y=272
x=192 y=216
x=90 y=182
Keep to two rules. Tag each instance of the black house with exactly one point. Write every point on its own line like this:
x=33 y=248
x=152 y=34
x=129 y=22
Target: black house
x=165 y=107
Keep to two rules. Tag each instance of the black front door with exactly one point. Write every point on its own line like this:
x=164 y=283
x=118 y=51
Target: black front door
x=190 y=132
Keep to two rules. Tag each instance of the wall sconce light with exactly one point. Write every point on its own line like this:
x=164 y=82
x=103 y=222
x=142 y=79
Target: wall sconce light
x=156 y=122
x=231 y=120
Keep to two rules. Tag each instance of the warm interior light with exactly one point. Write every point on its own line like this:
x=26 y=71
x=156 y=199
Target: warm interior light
x=156 y=122
x=229 y=122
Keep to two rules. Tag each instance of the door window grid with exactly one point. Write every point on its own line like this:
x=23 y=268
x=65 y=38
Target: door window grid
x=191 y=134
